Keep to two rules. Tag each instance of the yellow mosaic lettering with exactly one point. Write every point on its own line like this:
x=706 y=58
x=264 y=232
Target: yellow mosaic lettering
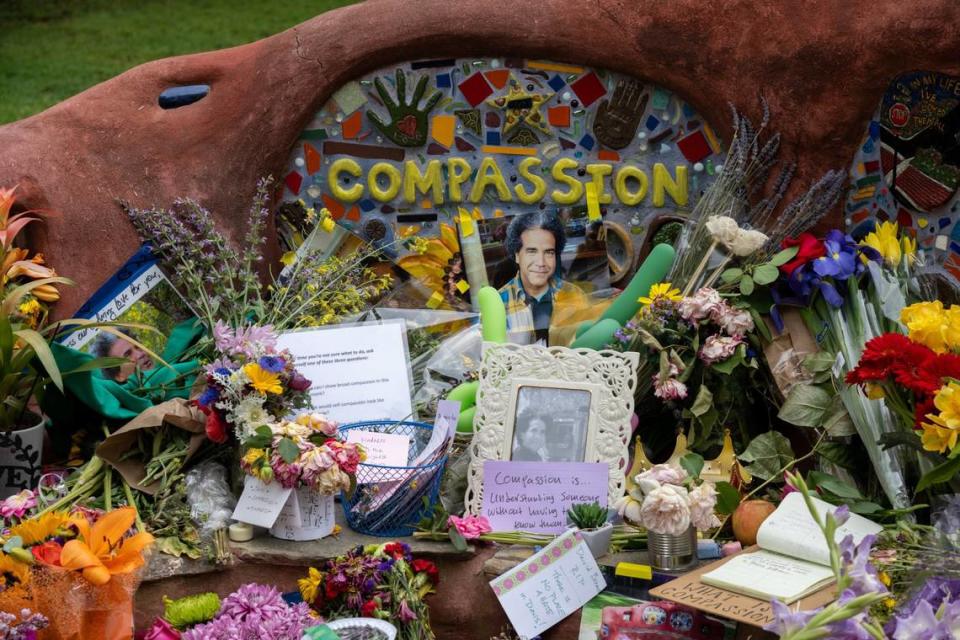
x=664 y=183
x=429 y=180
x=575 y=191
x=393 y=181
x=458 y=172
x=597 y=172
x=489 y=173
x=624 y=195
x=539 y=184
x=345 y=165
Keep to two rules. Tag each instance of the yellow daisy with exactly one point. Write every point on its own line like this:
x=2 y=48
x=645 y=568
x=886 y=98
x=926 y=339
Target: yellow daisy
x=661 y=291
x=263 y=381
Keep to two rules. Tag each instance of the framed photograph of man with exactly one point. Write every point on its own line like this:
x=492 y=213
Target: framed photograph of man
x=551 y=421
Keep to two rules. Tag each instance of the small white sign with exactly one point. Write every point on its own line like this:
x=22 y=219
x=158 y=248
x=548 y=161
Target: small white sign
x=546 y=588
x=387 y=449
x=260 y=503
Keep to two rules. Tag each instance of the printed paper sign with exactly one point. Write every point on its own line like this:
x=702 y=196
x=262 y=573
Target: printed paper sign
x=359 y=372
x=260 y=503
x=549 y=586
x=387 y=449
x=535 y=496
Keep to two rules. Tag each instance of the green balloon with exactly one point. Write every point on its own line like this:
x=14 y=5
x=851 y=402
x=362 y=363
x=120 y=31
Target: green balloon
x=465 y=423
x=465 y=394
x=653 y=270
x=493 y=315
x=598 y=336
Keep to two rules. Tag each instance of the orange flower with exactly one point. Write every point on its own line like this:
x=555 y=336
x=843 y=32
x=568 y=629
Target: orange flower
x=102 y=551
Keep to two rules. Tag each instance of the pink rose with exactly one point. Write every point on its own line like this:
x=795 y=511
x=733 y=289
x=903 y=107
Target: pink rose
x=700 y=305
x=718 y=348
x=663 y=474
x=666 y=511
x=735 y=322
x=703 y=502
x=669 y=389
x=470 y=527
x=161 y=630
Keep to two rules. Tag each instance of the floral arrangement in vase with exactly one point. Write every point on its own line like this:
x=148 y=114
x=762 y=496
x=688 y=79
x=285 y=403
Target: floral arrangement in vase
x=250 y=384
x=377 y=581
x=304 y=452
x=667 y=500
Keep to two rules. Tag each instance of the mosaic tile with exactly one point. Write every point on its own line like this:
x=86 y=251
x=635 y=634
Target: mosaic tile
x=442 y=128
x=589 y=89
x=475 y=89
x=351 y=126
x=556 y=83
x=498 y=78
x=312 y=157
x=293 y=181
x=350 y=97
x=694 y=147
x=559 y=116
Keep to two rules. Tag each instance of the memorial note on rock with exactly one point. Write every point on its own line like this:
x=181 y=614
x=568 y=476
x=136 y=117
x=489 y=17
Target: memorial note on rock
x=260 y=503
x=535 y=496
x=550 y=585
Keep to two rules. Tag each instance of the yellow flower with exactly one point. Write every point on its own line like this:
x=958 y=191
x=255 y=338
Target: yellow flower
x=310 y=586
x=104 y=550
x=942 y=432
x=885 y=578
x=288 y=258
x=886 y=242
x=661 y=291
x=889 y=603
x=12 y=571
x=909 y=249
x=40 y=528
x=252 y=456
x=875 y=391
x=327 y=224
x=263 y=381
x=928 y=324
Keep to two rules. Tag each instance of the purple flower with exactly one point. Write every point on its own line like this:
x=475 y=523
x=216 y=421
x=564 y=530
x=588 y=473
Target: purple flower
x=786 y=621
x=841 y=259
x=920 y=624
x=253 y=600
x=857 y=566
x=299 y=383
x=273 y=364
x=841 y=515
x=934 y=592
x=405 y=613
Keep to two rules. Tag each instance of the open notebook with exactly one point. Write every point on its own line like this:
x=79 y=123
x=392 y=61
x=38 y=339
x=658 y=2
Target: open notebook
x=793 y=560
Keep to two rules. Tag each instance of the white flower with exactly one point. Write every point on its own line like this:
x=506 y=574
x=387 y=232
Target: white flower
x=723 y=229
x=747 y=242
x=292 y=430
x=703 y=501
x=248 y=415
x=628 y=508
x=735 y=322
x=663 y=474
x=718 y=348
x=669 y=389
x=646 y=485
x=666 y=511
x=700 y=305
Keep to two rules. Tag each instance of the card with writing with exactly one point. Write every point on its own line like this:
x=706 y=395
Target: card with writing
x=547 y=587
x=260 y=503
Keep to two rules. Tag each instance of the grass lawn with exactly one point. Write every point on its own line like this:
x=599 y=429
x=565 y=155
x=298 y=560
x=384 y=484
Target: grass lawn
x=53 y=49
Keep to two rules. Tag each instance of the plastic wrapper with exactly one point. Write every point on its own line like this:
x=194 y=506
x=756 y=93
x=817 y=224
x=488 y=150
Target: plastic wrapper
x=78 y=610
x=209 y=496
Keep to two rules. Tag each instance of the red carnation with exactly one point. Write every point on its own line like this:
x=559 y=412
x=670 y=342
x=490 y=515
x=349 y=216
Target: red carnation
x=427 y=567
x=216 y=427
x=369 y=609
x=810 y=249
x=889 y=355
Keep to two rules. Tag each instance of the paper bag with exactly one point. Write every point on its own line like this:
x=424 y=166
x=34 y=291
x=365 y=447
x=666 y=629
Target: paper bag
x=176 y=413
x=785 y=353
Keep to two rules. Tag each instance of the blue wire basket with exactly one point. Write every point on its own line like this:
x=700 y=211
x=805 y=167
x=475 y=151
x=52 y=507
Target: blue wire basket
x=388 y=501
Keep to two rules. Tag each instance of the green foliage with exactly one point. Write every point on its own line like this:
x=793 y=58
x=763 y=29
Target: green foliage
x=692 y=463
x=728 y=498
x=587 y=515
x=767 y=454
x=52 y=49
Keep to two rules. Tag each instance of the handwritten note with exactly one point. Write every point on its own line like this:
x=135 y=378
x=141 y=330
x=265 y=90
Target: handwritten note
x=260 y=503
x=387 y=449
x=549 y=586
x=306 y=516
x=535 y=496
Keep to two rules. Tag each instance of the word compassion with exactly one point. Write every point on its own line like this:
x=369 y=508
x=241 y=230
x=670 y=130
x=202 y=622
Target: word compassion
x=455 y=180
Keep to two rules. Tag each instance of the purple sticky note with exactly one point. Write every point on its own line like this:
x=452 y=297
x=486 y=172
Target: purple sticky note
x=448 y=412
x=535 y=496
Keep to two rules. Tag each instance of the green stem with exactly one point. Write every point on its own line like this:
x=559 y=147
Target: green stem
x=133 y=503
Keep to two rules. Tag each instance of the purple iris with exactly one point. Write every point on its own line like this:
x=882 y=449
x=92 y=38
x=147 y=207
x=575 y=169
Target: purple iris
x=208 y=397
x=840 y=261
x=273 y=364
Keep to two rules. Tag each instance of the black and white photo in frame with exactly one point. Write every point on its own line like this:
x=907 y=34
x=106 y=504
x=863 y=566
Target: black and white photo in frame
x=549 y=421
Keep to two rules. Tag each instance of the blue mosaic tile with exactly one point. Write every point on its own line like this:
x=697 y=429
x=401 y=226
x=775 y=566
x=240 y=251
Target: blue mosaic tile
x=587 y=142
x=652 y=122
x=493 y=137
x=443 y=80
x=176 y=97
x=556 y=83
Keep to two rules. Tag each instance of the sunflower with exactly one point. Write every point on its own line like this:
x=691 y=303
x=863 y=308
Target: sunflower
x=33 y=531
x=661 y=291
x=12 y=571
x=263 y=381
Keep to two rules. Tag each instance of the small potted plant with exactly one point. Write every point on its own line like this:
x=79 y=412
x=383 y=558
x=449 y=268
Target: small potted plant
x=591 y=519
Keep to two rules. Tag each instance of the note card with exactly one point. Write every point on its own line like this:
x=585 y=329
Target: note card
x=387 y=449
x=535 y=496
x=547 y=587
x=260 y=503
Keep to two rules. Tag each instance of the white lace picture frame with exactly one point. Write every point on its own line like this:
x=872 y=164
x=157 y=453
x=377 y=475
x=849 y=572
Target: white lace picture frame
x=614 y=375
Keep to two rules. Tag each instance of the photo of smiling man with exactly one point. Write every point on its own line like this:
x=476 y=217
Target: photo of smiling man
x=537 y=299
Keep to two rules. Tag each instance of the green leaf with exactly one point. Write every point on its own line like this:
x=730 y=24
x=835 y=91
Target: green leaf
x=783 y=257
x=731 y=275
x=839 y=454
x=288 y=450
x=746 y=285
x=893 y=439
x=703 y=402
x=939 y=474
x=864 y=507
x=692 y=463
x=731 y=363
x=459 y=542
x=837 y=422
x=6 y=341
x=761 y=325
x=819 y=361
x=767 y=454
x=97 y=363
x=805 y=406
x=728 y=498
x=765 y=274
x=42 y=349
x=834 y=485
x=260 y=440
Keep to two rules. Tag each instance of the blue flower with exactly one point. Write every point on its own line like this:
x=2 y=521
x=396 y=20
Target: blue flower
x=208 y=397
x=273 y=364
x=223 y=371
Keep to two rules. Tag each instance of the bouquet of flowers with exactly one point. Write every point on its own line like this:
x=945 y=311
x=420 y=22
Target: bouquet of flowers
x=666 y=500
x=80 y=574
x=377 y=581
x=302 y=453
x=918 y=378
x=252 y=611
x=250 y=384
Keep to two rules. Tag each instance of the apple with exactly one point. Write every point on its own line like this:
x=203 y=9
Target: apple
x=747 y=520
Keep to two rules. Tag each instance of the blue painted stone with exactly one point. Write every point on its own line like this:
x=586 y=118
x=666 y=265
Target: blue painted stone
x=367 y=205
x=443 y=80
x=556 y=83
x=176 y=97
x=688 y=111
x=652 y=122
x=955 y=233
x=868 y=146
x=944 y=222
x=587 y=142
x=493 y=137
